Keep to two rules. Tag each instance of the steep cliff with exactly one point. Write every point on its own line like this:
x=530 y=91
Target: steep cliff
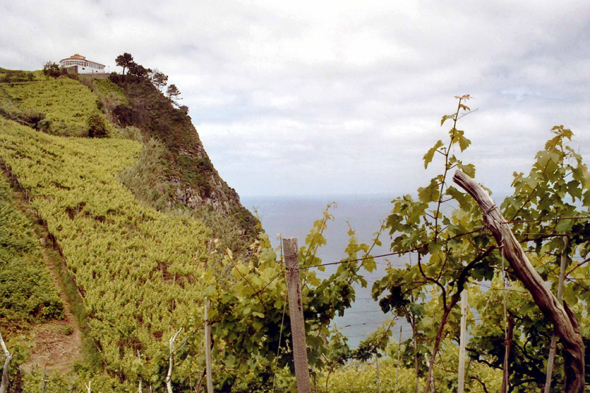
x=188 y=170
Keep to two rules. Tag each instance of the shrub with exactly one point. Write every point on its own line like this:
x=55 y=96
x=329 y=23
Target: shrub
x=132 y=133
x=71 y=76
x=32 y=118
x=97 y=127
x=52 y=69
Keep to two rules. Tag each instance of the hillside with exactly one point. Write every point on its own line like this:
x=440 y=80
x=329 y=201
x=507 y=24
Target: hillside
x=129 y=203
x=128 y=106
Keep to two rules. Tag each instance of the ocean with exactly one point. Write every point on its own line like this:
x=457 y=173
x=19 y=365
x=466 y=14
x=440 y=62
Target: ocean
x=294 y=217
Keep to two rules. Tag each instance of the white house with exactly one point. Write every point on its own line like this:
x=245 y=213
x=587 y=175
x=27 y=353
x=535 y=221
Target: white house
x=80 y=65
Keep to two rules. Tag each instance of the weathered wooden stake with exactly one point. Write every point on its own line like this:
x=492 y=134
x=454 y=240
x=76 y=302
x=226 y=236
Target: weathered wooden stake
x=561 y=316
x=399 y=350
x=208 y=349
x=508 y=338
x=415 y=340
x=140 y=383
x=44 y=388
x=430 y=376
x=4 y=383
x=553 y=347
x=296 y=315
x=378 y=379
x=463 y=338
x=171 y=362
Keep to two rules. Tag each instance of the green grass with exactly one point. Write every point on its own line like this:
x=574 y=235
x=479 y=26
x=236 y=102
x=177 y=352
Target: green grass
x=147 y=180
x=106 y=88
x=137 y=270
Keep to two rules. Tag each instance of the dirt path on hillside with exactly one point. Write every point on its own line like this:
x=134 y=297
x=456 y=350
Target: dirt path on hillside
x=57 y=343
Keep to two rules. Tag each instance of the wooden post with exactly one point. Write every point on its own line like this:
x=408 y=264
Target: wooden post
x=208 y=349
x=463 y=338
x=296 y=315
x=399 y=350
x=561 y=316
x=44 y=388
x=415 y=340
x=508 y=338
x=171 y=362
x=377 y=367
x=553 y=346
x=8 y=355
x=430 y=376
x=140 y=383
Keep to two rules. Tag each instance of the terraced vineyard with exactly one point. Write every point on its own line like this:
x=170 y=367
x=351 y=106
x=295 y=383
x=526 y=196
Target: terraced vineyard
x=59 y=106
x=137 y=269
x=27 y=294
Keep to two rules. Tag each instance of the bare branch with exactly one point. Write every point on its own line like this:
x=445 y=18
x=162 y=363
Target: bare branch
x=171 y=363
x=577 y=266
x=435 y=282
x=4 y=384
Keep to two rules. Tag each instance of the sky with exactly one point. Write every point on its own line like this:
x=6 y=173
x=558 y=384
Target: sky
x=338 y=97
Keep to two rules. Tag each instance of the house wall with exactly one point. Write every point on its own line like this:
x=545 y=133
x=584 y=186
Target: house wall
x=89 y=70
x=83 y=66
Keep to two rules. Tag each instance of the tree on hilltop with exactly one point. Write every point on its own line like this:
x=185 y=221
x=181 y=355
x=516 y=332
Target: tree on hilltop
x=138 y=70
x=159 y=79
x=173 y=93
x=52 y=69
x=125 y=60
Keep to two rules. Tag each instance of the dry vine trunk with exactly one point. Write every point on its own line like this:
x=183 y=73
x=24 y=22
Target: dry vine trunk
x=463 y=337
x=507 y=348
x=553 y=346
x=437 y=341
x=563 y=319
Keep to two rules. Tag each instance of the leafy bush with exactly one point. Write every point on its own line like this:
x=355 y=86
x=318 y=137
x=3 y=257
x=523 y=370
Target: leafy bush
x=97 y=127
x=196 y=171
x=52 y=69
x=132 y=133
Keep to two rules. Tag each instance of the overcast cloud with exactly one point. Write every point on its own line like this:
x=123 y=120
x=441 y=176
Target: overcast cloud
x=313 y=97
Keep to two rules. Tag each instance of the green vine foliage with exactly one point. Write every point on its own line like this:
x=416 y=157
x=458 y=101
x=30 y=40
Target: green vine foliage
x=448 y=247
x=249 y=319
x=557 y=187
x=452 y=251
